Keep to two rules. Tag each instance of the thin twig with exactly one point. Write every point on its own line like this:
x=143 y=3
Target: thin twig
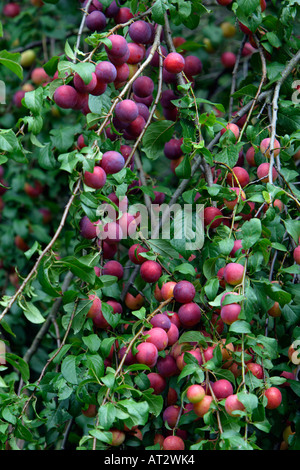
x=44 y=252
x=85 y=13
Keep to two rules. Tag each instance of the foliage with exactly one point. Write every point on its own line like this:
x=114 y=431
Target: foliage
x=58 y=364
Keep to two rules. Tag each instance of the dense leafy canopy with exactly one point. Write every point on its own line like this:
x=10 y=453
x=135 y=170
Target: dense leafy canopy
x=106 y=338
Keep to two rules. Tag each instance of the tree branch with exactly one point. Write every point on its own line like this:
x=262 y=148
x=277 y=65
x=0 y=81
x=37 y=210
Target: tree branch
x=44 y=252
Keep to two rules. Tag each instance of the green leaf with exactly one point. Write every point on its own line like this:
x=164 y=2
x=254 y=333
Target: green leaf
x=107 y=414
x=193 y=337
x=83 y=271
x=11 y=61
x=248 y=6
x=185 y=268
x=46 y=157
x=158 y=10
x=163 y=247
x=155 y=137
x=19 y=364
x=240 y=327
x=92 y=342
x=44 y=280
x=251 y=231
x=228 y=155
x=34 y=100
x=68 y=369
x=32 y=313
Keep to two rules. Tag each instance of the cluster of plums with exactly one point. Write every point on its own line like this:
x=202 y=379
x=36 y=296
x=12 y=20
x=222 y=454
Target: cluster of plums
x=159 y=346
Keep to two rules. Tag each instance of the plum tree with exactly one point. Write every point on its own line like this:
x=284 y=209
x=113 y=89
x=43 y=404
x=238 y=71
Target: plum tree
x=119 y=330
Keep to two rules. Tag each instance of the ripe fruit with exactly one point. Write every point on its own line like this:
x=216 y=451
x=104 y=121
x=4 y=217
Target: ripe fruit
x=173 y=443
x=233 y=273
x=91 y=411
x=238 y=174
x=195 y=393
x=147 y=354
x=81 y=87
x=134 y=302
x=228 y=59
x=11 y=10
x=202 y=407
x=158 y=337
x=143 y=86
x=39 y=76
x=167 y=290
x=65 y=96
x=113 y=268
x=192 y=66
x=222 y=388
x=233 y=128
x=112 y=162
x=263 y=172
x=224 y=2
x=34 y=190
x=126 y=111
x=256 y=369
x=170 y=415
x=118 y=437
x=250 y=156
x=238 y=244
x=134 y=253
x=233 y=405
x=150 y=271
x=174 y=62
x=87 y=228
x=296 y=254
x=274 y=397
x=161 y=320
x=212 y=217
x=240 y=196
x=189 y=314
x=140 y=32
x=265 y=147
x=96 y=306
x=167 y=367
x=95 y=179
x=184 y=292
x=118 y=46
x=106 y=71
x=172 y=149
x=157 y=382
x=96 y=21
x=230 y=313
